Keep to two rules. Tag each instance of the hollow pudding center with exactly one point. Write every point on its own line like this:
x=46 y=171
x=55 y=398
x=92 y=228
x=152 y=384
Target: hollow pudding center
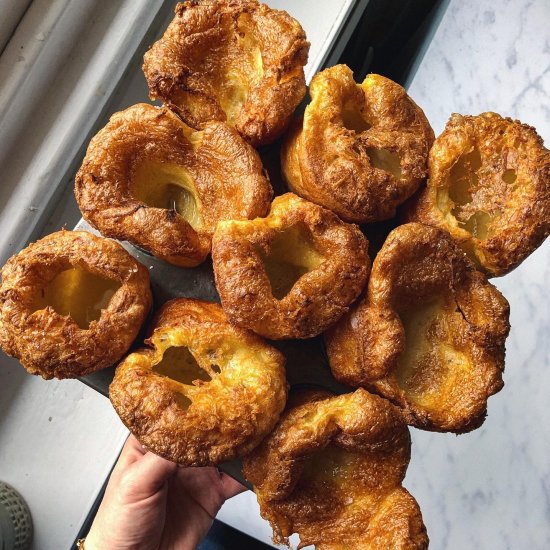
x=353 y=119
x=292 y=254
x=330 y=466
x=167 y=186
x=77 y=293
x=433 y=364
x=386 y=160
x=337 y=483
x=383 y=159
x=180 y=365
x=479 y=189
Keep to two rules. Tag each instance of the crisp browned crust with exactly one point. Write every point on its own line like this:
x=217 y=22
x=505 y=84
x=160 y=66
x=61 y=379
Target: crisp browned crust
x=332 y=471
x=489 y=187
x=51 y=344
x=234 y=60
x=428 y=335
x=361 y=149
x=333 y=255
x=201 y=423
x=222 y=173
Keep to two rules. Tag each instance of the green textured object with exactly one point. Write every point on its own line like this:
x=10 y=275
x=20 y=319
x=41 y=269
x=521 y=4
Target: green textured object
x=15 y=520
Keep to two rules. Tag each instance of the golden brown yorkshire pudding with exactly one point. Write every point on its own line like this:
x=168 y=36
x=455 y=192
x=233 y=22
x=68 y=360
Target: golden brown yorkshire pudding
x=332 y=472
x=489 y=187
x=232 y=60
x=429 y=334
x=71 y=303
x=204 y=391
x=152 y=180
x=361 y=150
x=291 y=274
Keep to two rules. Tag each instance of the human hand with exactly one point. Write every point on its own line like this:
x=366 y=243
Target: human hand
x=152 y=504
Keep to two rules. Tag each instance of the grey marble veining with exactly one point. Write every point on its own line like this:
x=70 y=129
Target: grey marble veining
x=491 y=489
x=485 y=56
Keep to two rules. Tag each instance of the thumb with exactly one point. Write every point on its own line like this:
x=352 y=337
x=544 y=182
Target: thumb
x=230 y=487
x=148 y=475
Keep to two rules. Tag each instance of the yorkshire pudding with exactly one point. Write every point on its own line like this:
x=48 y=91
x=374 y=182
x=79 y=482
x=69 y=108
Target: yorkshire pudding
x=152 y=180
x=231 y=60
x=361 y=149
x=71 y=303
x=489 y=187
x=204 y=391
x=291 y=274
x=429 y=334
x=332 y=472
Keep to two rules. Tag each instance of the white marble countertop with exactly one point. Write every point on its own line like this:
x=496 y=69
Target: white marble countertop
x=489 y=489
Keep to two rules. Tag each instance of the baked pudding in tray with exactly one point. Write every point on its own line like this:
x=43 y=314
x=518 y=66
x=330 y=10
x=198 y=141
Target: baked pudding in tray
x=291 y=274
x=231 y=60
x=361 y=149
x=71 y=304
x=489 y=187
x=150 y=179
x=332 y=471
x=203 y=391
x=428 y=335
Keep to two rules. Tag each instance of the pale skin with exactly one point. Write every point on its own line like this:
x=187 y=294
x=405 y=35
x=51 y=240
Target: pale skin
x=153 y=504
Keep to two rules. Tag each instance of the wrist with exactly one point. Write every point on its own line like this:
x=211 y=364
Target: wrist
x=94 y=541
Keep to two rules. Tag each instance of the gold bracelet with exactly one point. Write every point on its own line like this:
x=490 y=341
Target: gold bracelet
x=80 y=544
